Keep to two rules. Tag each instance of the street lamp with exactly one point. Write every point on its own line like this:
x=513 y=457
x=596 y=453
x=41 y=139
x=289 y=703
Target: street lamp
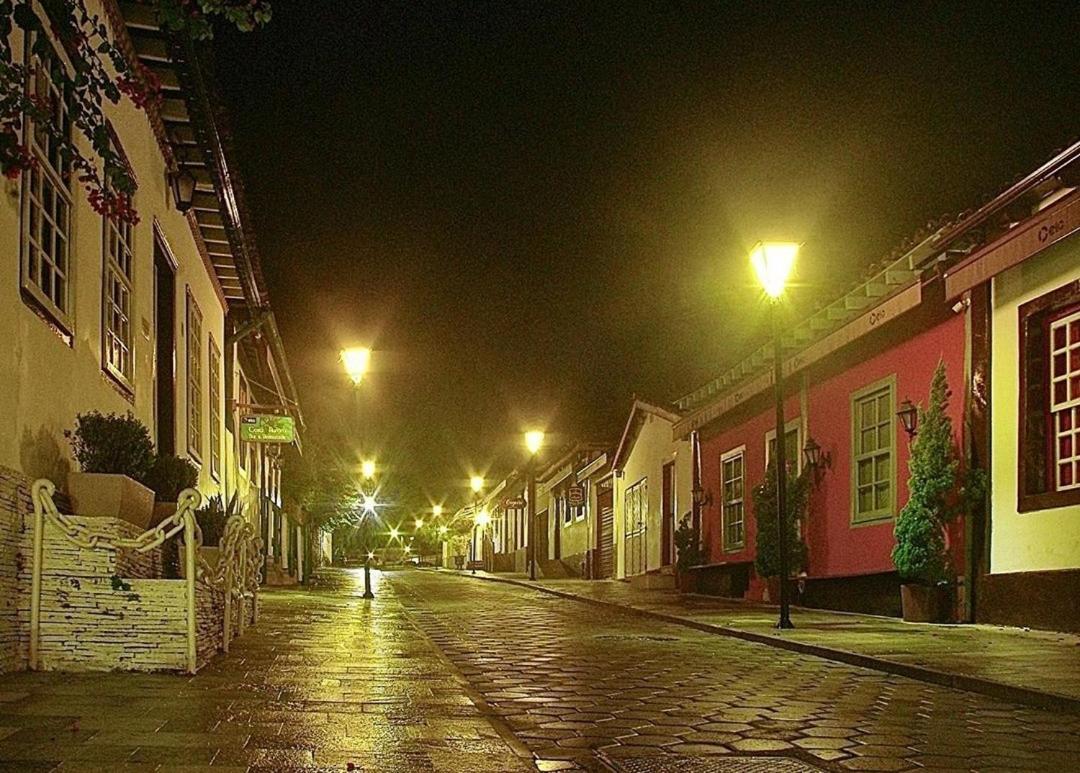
x=476 y=483
x=909 y=418
x=773 y=262
x=369 y=503
x=534 y=441
x=367 y=469
x=356 y=361
x=436 y=510
x=394 y=533
x=419 y=523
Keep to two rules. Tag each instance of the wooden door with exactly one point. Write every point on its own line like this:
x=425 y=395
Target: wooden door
x=667 y=516
x=605 y=535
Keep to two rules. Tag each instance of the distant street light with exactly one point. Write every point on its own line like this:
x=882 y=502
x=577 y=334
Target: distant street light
x=773 y=262
x=436 y=510
x=367 y=469
x=534 y=441
x=356 y=361
x=370 y=504
x=419 y=523
x=476 y=483
x=443 y=530
x=394 y=533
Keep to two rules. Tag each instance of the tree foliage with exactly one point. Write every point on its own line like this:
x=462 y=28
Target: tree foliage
x=96 y=70
x=112 y=443
x=935 y=496
x=767 y=557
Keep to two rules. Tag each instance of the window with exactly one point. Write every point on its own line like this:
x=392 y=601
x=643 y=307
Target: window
x=731 y=488
x=194 y=377
x=792 y=445
x=563 y=506
x=214 y=371
x=46 y=202
x=1049 y=426
x=581 y=511
x=873 y=452
x=1065 y=400
x=118 y=287
x=636 y=508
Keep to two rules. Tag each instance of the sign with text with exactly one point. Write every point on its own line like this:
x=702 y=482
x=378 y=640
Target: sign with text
x=267 y=428
x=575 y=496
x=514 y=503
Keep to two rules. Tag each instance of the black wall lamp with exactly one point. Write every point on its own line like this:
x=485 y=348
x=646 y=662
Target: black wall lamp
x=702 y=498
x=909 y=418
x=817 y=460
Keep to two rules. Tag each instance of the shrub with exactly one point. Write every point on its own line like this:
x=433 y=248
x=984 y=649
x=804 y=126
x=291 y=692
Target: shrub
x=118 y=445
x=935 y=498
x=687 y=545
x=169 y=475
x=213 y=516
x=767 y=558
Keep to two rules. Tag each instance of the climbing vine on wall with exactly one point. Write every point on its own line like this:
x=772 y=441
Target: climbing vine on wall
x=73 y=67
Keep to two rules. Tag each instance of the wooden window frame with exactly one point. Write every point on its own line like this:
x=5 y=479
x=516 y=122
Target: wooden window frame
x=792 y=425
x=194 y=377
x=888 y=513
x=725 y=458
x=1033 y=320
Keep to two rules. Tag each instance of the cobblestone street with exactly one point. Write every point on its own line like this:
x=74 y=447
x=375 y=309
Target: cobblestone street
x=580 y=682
x=449 y=673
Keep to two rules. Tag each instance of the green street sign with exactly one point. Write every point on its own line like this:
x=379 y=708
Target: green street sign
x=265 y=428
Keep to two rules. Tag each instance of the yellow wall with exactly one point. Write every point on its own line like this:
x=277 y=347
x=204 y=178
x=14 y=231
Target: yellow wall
x=1044 y=539
x=652 y=449
x=44 y=381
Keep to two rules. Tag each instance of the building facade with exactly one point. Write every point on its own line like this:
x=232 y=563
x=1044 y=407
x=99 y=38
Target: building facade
x=167 y=318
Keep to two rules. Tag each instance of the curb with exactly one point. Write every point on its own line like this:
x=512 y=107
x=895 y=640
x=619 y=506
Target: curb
x=999 y=690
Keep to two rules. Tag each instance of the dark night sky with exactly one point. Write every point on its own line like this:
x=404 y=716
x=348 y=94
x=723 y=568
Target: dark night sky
x=532 y=210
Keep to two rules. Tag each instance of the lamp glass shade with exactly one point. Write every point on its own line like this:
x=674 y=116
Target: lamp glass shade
x=534 y=440
x=356 y=361
x=909 y=417
x=476 y=483
x=773 y=262
x=182 y=182
x=811 y=454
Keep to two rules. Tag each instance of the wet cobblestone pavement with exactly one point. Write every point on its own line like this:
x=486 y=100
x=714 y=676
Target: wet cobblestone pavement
x=324 y=681
x=581 y=683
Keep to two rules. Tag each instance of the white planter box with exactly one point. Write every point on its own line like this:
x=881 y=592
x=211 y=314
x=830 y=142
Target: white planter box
x=116 y=496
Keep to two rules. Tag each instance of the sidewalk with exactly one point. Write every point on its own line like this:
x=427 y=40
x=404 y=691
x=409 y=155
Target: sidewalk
x=1038 y=668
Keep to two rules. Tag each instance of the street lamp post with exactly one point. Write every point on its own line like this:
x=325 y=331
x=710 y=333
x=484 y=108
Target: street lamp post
x=773 y=262
x=534 y=441
x=367 y=576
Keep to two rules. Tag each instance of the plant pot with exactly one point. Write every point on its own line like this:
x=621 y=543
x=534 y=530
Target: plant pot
x=926 y=603
x=162 y=511
x=111 y=496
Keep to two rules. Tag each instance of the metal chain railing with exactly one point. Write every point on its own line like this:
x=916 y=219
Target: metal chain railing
x=236 y=574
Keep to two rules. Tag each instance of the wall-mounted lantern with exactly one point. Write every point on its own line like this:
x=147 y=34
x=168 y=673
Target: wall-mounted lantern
x=702 y=498
x=816 y=460
x=909 y=418
x=182 y=182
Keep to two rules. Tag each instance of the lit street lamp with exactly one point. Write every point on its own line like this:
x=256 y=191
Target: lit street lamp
x=534 y=441
x=419 y=523
x=436 y=510
x=773 y=262
x=356 y=361
x=367 y=469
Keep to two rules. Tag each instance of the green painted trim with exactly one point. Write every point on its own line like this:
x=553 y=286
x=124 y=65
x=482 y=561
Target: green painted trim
x=884 y=514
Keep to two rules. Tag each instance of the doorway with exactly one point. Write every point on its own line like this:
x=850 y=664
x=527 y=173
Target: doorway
x=667 y=516
x=605 y=536
x=164 y=350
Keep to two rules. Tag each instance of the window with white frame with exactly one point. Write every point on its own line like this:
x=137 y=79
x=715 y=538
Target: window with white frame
x=46 y=199
x=792 y=445
x=563 y=506
x=873 y=415
x=636 y=508
x=1065 y=400
x=118 y=308
x=214 y=372
x=732 y=513
x=194 y=378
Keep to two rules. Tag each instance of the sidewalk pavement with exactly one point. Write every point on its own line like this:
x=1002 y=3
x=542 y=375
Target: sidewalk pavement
x=1038 y=668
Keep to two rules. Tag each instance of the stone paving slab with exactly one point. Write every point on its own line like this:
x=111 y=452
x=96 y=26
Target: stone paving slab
x=602 y=686
x=1040 y=668
x=326 y=680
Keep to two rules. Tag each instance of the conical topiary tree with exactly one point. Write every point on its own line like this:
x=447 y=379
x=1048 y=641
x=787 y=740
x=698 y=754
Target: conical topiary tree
x=766 y=554
x=934 y=495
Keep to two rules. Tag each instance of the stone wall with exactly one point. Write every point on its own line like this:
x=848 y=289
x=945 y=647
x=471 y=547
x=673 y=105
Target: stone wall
x=14 y=554
x=100 y=609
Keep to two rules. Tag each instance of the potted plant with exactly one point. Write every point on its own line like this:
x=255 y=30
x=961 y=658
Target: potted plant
x=937 y=493
x=168 y=476
x=766 y=555
x=114 y=455
x=688 y=553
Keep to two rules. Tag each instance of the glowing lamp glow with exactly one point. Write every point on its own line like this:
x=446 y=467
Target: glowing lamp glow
x=436 y=510
x=419 y=523
x=483 y=518
x=534 y=440
x=367 y=469
x=773 y=262
x=408 y=549
x=394 y=533
x=443 y=530
x=356 y=361
x=476 y=483
x=370 y=555
x=369 y=504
